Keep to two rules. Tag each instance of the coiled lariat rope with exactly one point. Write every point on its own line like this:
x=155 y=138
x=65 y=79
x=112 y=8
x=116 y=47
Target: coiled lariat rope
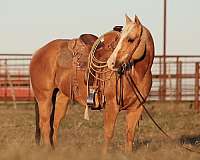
x=97 y=68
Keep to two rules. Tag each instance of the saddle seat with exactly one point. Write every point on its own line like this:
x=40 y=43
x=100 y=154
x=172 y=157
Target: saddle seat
x=88 y=39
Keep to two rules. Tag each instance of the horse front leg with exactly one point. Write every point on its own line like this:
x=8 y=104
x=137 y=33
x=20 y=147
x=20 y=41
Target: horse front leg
x=132 y=119
x=110 y=116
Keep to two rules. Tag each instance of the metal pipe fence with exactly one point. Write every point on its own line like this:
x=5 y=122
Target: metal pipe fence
x=14 y=77
x=181 y=78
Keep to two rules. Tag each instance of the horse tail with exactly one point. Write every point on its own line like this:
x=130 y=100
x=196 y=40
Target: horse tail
x=37 y=129
x=53 y=100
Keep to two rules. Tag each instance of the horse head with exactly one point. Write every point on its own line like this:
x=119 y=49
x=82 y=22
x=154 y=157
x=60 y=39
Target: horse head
x=131 y=45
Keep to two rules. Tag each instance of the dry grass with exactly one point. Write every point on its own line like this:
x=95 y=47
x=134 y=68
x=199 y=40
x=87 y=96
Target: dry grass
x=82 y=139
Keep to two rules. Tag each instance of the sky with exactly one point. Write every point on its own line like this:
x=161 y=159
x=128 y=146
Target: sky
x=26 y=25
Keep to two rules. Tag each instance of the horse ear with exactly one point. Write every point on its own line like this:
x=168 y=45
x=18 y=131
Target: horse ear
x=128 y=19
x=137 y=21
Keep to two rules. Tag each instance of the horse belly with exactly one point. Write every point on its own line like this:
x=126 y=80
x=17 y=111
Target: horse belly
x=63 y=80
x=71 y=84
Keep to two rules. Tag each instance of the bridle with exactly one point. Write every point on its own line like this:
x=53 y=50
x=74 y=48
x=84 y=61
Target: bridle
x=124 y=70
x=127 y=66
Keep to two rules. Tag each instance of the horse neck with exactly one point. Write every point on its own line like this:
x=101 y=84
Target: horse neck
x=144 y=64
x=103 y=54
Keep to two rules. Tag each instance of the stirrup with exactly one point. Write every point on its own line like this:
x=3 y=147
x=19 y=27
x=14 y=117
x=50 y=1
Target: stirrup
x=101 y=104
x=91 y=100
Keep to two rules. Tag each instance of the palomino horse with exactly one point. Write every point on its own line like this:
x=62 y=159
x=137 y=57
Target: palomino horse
x=53 y=67
x=57 y=73
x=132 y=58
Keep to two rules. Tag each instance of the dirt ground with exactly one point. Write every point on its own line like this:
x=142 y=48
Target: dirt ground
x=81 y=139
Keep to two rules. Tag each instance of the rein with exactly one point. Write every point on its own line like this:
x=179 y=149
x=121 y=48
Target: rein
x=119 y=80
x=123 y=70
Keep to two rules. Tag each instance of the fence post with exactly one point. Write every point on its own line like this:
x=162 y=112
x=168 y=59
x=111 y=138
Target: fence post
x=6 y=81
x=178 y=80
x=197 y=87
x=160 y=79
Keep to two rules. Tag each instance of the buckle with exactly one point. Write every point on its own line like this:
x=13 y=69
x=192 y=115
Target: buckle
x=122 y=69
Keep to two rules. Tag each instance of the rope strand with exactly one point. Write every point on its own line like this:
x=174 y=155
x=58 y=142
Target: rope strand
x=98 y=66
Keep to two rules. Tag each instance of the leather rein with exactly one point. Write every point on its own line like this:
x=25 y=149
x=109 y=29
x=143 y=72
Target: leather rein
x=124 y=70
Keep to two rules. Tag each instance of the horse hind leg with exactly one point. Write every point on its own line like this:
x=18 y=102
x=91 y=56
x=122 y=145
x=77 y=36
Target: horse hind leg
x=43 y=111
x=37 y=129
x=53 y=100
x=41 y=117
x=60 y=111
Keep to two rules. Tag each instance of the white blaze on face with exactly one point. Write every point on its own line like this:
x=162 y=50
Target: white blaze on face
x=112 y=59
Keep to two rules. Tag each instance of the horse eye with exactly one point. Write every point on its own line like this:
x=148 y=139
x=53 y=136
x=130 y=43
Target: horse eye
x=130 y=40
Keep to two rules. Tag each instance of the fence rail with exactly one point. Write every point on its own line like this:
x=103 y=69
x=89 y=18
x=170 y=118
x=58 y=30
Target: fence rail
x=182 y=78
x=14 y=77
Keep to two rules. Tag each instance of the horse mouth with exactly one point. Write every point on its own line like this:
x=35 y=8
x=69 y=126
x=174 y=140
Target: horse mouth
x=111 y=65
x=114 y=66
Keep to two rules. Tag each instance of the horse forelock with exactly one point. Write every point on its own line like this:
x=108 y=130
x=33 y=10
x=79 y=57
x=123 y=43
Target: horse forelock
x=126 y=31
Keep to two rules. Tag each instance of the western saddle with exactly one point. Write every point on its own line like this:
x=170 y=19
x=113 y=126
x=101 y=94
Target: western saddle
x=94 y=69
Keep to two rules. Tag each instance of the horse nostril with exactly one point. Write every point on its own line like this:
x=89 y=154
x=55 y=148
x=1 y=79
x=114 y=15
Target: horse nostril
x=113 y=63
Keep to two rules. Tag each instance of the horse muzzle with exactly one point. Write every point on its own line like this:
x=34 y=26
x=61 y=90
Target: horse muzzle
x=111 y=64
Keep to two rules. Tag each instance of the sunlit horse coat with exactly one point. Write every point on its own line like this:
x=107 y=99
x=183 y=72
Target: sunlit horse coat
x=135 y=47
x=52 y=67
